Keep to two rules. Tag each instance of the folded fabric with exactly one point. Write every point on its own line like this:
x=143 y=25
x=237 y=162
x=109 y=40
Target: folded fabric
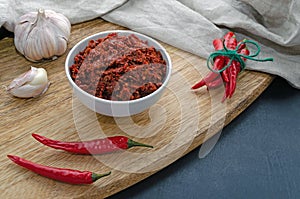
x=76 y=11
x=191 y=25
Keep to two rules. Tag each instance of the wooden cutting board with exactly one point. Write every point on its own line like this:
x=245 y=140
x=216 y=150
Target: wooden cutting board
x=181 y=121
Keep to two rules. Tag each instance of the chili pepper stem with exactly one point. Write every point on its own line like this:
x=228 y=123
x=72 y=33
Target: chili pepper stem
x=96 y=176
x=131 y=143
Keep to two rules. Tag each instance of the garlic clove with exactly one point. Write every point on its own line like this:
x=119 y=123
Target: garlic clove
x=33 y=83
x=49 y=43
x=23 y=79
x=28 y=91
x=61 y=46
x=40 y=77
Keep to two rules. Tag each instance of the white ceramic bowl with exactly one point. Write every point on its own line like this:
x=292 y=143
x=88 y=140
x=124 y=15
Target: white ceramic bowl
x=117 y=108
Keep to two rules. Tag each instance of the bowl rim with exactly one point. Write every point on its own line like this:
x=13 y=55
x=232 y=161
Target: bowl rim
x=103 y=34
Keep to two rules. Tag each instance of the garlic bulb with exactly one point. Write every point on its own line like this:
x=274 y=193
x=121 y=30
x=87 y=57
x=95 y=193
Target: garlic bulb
x=30 y=84
x=42 y=34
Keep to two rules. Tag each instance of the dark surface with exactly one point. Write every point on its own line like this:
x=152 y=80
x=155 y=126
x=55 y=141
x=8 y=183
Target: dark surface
x=5 y=33
x=257 y=156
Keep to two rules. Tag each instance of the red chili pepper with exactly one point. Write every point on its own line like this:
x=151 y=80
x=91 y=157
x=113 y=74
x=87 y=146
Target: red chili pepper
x=245 y=51
x=230 y=40
x=218 y=64
x=218 y=44
x=226 y=93
x=241 y=45
x=98 y=146
x=229 y=75
x=228 y=35
x=225 y=73
x=234 y=70
x=215 y=84
x=199 y=84
x=70 y=176
x=231 y=43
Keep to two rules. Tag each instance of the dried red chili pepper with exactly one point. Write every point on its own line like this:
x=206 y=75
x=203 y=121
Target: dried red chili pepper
x=245 y=51
x=97 y=146
x=225 y=73
x=215 y=84
x=229 y=35
x=70 y=176
x=230 y=40
x=235 y=69
x=227 y=91
x=241 y=45
x=199 y=84
x=218 y=64
x=218 y=44
x=231 y=43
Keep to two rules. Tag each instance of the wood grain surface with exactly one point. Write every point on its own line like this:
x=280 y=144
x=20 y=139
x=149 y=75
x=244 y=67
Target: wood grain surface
x=181 y=121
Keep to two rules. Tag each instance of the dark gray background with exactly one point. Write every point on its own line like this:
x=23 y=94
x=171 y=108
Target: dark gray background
x=257 y=156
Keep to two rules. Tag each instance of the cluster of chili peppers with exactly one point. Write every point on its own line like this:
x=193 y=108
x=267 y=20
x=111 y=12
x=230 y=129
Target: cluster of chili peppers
x=227 y=62
x=71 y=176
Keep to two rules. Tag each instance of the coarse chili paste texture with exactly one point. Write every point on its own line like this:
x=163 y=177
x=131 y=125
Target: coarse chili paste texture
x=119 y=67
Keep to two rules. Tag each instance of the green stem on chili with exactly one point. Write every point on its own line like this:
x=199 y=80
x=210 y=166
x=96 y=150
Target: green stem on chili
x=131 y=143
x=96 y=176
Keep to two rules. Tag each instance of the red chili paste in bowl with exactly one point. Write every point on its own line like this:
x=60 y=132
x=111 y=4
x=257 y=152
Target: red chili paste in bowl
x=119 y=68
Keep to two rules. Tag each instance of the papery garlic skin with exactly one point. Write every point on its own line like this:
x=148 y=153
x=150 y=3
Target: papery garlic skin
x=42 y=35
x=30 y=84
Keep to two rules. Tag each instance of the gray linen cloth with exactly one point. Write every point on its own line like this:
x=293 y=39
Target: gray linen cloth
x=191 y=25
